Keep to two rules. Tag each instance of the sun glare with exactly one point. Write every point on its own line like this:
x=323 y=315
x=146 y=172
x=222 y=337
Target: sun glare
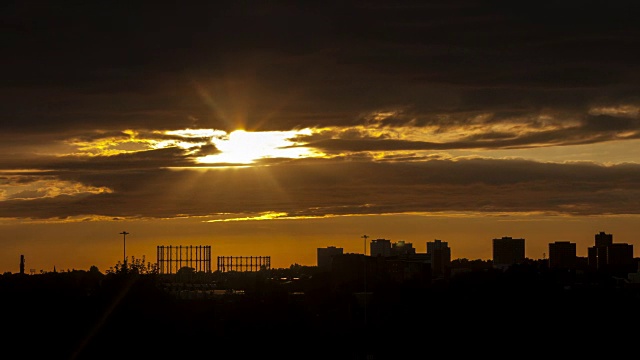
x=243 y=147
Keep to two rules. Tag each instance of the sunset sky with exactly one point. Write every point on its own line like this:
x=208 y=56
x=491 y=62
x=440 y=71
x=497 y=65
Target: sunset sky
x=274 y=128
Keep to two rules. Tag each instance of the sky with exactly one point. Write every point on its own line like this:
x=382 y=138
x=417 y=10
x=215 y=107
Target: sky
x=275 y=128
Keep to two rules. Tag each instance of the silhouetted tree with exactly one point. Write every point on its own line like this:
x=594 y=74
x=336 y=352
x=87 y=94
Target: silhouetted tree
x=136 y=266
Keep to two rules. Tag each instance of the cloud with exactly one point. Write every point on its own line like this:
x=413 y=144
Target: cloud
x=306 y=65
x=395 y=92
x=345 y=187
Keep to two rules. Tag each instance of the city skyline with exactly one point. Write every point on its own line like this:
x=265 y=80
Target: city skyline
x=266 y=129
x=182 y=250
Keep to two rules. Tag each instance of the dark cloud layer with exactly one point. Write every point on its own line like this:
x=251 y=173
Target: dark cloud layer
x=346 y=187
x=278 y=65
x=88 y=71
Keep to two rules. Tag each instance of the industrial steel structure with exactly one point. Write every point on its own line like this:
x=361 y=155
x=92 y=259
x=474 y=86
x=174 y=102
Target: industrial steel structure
x=172 y=258
x=243 y=263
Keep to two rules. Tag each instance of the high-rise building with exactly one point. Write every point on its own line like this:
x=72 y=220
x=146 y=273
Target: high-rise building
x=597 y=254
x=562 y=255
x=603 y=239
x=609 y=256
x=380 y=247
x=325 y=256
x=439 y=254
x=620 y=258
x=507 y=251
x=402 y=248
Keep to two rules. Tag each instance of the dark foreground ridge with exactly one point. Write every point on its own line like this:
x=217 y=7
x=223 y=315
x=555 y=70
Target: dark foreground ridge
x=304 y=313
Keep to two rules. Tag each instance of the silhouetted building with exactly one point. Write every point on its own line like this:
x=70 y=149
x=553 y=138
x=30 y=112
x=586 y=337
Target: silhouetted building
x=350 y=269
x=380 y=247
x=603 y=239
x=634 y=276
x=597 y=254
x=507 y=251
x=402 y=248
x=620 y=258
x=439 y=255
x=409 y=268
x=326 y=255
x=607 y=256
x=562 y=255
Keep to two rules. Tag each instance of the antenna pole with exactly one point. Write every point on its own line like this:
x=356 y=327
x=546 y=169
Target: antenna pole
x=365 y=237
x=124 y=249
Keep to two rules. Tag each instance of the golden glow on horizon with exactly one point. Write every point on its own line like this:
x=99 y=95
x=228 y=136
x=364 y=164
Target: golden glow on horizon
x=502 y=215
x=526 y=216
x=270 y=215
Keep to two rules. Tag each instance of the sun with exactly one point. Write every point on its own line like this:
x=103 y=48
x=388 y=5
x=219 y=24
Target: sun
x=244 y=147
x=240 y=147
